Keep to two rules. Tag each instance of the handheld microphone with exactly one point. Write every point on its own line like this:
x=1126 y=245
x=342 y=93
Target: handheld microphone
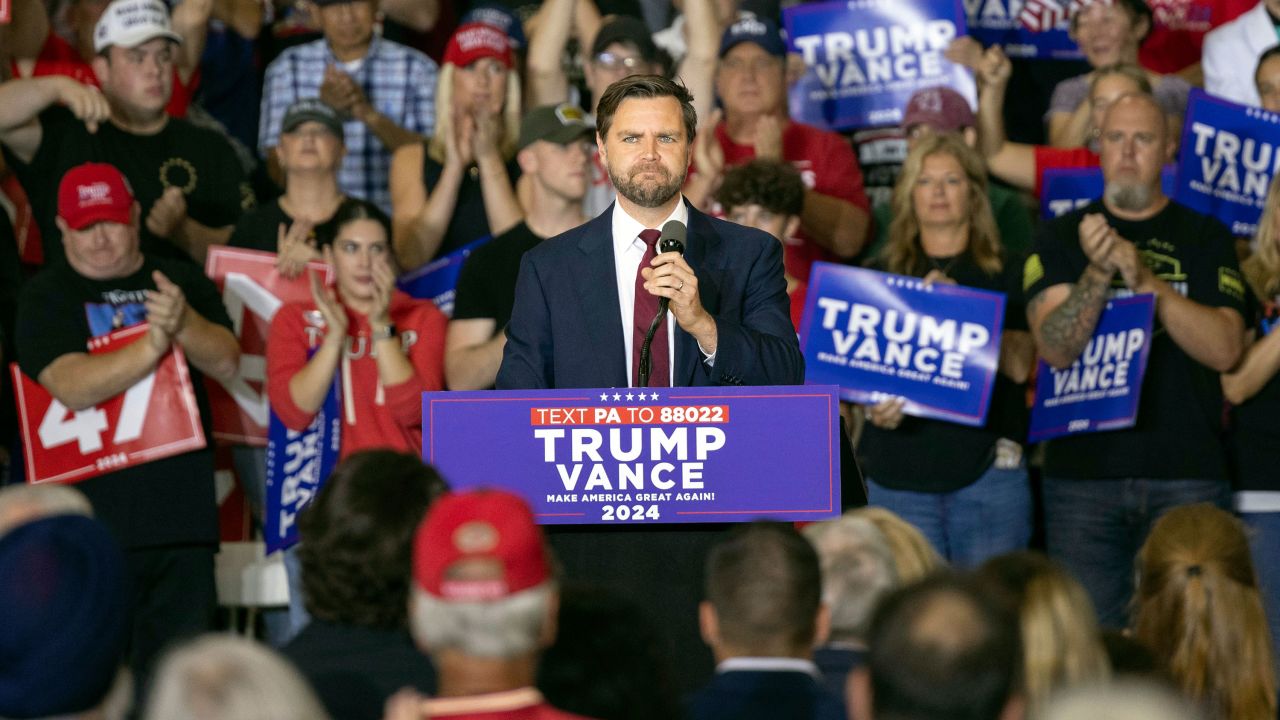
x=671 y=240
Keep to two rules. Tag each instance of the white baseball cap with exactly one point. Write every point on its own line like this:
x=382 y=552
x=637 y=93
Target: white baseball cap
x=129 y=23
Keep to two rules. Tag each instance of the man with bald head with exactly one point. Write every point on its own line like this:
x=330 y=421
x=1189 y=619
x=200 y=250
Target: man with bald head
x=1103 y=490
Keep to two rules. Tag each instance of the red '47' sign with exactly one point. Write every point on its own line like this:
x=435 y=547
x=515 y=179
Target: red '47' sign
x=252 y=291
x=154 y=419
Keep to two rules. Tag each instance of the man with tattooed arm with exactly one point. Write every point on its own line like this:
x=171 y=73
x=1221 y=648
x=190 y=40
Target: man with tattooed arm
x=1102 y=491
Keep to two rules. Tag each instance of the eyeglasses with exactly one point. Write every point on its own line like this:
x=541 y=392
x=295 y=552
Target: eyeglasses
x=756 y=66
x=610 y=61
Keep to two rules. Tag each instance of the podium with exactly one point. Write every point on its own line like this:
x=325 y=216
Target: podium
x=636 y=487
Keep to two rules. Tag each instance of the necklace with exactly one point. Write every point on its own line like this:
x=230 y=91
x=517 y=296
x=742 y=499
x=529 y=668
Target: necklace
x=944 y=268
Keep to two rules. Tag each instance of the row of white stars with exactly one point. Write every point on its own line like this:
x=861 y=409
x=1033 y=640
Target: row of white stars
x=604 y=397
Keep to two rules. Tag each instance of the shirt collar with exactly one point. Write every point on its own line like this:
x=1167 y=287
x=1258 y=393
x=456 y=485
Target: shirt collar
x=626 y=229
x=372 y=51
x=770 y=664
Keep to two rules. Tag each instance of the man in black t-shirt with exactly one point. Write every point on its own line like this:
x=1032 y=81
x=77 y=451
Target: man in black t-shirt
x=1102 y=491
x=163 y=512
x=187 y=179
x=554 y=152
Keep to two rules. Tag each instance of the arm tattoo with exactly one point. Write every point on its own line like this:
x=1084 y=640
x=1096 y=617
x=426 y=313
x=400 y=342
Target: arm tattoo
x=1068 y=327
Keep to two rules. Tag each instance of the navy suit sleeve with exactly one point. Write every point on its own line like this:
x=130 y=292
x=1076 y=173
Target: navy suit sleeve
x=526 y=358
x=760 y=347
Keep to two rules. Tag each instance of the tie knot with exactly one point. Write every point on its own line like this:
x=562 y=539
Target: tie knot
x=650 y=237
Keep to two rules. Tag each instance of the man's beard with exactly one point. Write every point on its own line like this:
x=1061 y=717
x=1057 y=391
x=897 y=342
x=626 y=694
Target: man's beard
x=647 y=194
x=1128 y=196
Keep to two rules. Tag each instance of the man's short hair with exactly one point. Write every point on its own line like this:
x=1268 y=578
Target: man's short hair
x=765 y=584
x=357 y=538
x=857 y=570
x=773 y=185
x=645 y=86
x=1127 y=69
x=942 y=649
x=24 y=503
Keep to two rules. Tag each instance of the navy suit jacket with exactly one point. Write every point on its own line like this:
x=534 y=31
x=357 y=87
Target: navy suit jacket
x=566 y=330
x=764 y=695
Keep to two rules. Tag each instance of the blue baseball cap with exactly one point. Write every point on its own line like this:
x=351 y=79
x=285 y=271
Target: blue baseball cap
x=760 y=31
x=494 y=14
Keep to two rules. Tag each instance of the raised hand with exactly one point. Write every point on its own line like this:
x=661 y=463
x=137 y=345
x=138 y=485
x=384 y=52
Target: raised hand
x=166 y=311
x=86 y=102
x=168 y=212
x=334 y=314
x=887 y=414
x=294 y=248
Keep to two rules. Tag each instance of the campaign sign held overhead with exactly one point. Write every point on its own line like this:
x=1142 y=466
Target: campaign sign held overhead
x=866 y=58
x=626 y=456
x=1229 y=155
x=878 y=336
x=1101 y=389
x=999 y=22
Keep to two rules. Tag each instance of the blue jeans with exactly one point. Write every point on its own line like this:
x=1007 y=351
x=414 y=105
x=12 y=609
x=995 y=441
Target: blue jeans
x=990 y=517
x=1096 y=527
x=1264 y=542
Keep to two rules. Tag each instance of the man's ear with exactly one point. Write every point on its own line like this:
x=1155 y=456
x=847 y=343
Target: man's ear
x=791 y=228
x=708 y=623
x=101 y=67
x=857 y=694
x=822 y=625
x=600 y=147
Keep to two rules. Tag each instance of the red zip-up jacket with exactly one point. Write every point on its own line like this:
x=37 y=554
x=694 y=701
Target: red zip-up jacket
x=374 y=415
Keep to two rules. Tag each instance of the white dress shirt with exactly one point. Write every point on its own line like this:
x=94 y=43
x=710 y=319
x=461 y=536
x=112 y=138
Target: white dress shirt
x=628 y=251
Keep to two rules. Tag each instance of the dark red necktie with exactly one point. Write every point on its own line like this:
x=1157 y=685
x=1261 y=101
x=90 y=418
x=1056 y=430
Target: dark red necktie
x=646 y=307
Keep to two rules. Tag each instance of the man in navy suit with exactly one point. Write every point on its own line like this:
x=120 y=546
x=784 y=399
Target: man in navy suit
x=763 y=616
x=584 y=299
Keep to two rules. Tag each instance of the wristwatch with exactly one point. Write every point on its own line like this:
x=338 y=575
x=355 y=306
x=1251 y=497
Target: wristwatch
x=383 y=332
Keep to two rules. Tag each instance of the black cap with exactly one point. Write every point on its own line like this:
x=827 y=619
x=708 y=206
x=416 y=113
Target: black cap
x=560 y=124
x=312 y=110
x=626 y=29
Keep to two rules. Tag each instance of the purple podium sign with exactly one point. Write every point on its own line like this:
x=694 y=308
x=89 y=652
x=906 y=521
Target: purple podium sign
x=666 y=455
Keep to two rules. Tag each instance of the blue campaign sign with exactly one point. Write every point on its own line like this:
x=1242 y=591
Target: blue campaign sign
x=664 y=455
x=1066 y=189
x=437 y=280
x=866 y=58
x=878 y=336
x=1228 y=157
x=995 y=22
x=1101 y=389
x=298 y=463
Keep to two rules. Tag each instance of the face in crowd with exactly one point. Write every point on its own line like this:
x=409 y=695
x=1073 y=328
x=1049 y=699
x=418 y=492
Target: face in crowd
x=779 y=225
x=1268 y=82
x=358 y=246
x=1133 y=147
x=1106 y=91
x=750 y=81
x=619 y=60
x=562 y=170
x=310 y=147
x=480 y=86
x=348 y=26
x=941 y=193
x=138 y=80
x=647 y=150
x=103 y=250
x=1107 y=33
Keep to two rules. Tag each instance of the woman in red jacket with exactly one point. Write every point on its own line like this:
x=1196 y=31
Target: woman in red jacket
x=381 y=347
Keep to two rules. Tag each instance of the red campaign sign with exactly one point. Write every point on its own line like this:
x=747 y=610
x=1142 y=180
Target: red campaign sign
x=252 y=290
x=154 y=419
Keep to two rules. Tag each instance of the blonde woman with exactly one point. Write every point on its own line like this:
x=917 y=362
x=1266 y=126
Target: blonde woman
x=456 y=188
x=964 y=487
x=1253 y=389
x=1198 y=608
x=1061 y=643
x=913 y=557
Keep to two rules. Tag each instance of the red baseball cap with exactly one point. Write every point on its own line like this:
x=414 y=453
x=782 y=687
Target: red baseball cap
x=940 y=107
x=479 y=545
x=477 y=40
x=94 y=192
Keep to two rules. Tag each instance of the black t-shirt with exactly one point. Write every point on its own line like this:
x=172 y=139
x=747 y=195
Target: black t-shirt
x=487 y=283
x=167 y=501
x=259 y=228
x=468 y=223
x=1255 y=423
x=925 y=455
x=1177 y=434
x=198 y=160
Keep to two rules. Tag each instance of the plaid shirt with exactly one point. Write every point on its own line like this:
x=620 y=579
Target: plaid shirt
x=399 y=82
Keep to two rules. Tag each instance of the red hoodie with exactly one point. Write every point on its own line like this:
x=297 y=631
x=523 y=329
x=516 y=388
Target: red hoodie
x=374 y=416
